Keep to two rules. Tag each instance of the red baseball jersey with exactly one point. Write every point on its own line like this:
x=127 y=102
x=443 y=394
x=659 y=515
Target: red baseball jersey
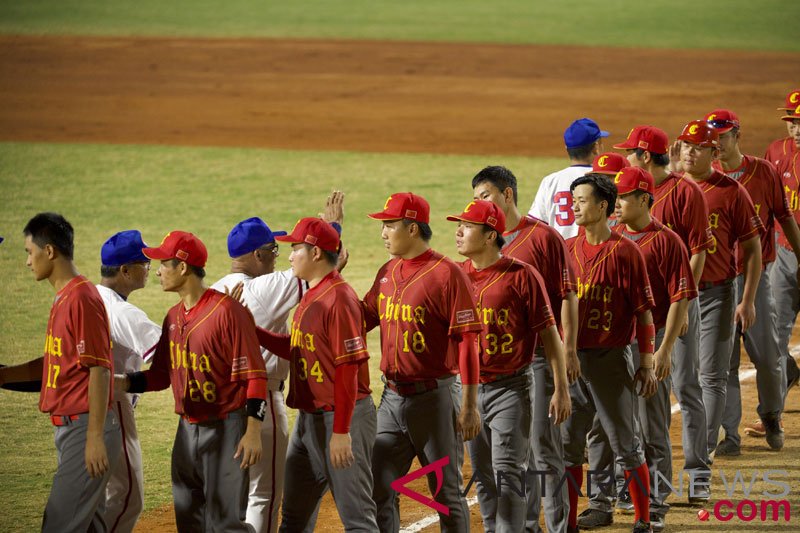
x=327 y=331
x=534 y=242
x=207 y=353
x=668 y=266
x=680 y=205
x=419 y=306
x=78 y=337
x=513 y=307
x=785 y=155
x=732 y=218
x=613 y=288
x=761 y=179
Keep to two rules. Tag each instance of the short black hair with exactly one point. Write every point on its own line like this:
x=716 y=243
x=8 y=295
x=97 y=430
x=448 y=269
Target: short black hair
x=109 y=271
x=499 y=240
x=200 y=272
x=581 y=152
x=425 y=230
x=52 y=229
x=650 y=198
x=659 y=160
x=499 y=176
x=602 y=189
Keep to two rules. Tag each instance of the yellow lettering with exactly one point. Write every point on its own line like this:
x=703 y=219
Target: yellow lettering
x=205 y=364
x=713 y=220
x=502 y=317
x=381 y=298
x=407 y=314
x=310 y=342
x=419 y=314
x=758 y=208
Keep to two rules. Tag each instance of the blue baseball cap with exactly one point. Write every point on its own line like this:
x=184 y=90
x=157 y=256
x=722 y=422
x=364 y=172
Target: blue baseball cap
x=249 y=235
x=582 y=132
x=123 y=248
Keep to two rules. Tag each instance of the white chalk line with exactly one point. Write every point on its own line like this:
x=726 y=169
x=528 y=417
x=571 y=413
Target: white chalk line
x=419 y=525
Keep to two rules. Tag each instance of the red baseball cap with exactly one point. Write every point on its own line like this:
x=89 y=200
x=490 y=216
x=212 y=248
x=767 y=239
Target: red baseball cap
x=723 y=120
x=792 y=114
x=609 y=164
x=405 y=205
x=649 y=138
x=701 y=133
x=313 y=231
x=631 y=179
x=792 y=101
x=180 y=245
x=482 y=212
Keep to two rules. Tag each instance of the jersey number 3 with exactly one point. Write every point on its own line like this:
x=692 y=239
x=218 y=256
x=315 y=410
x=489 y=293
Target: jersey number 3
x=562 y=202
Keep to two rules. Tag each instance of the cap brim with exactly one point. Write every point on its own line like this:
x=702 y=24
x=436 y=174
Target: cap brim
x=604 y=172
x=285 y=237
x=604 y=133
x=157 y=253
x=460 y=218
x=790 y=117
x=279 y=233
x=624 y=146
x=384 y=216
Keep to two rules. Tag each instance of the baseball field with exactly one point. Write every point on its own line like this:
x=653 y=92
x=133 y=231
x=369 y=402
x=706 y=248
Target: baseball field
x=195 y=115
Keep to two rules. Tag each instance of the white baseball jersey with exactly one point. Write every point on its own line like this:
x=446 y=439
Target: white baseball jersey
x=133 y=335
x=553 y=202
x=270 y=298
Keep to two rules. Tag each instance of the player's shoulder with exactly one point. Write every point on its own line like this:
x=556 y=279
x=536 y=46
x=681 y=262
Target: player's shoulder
x=761 y=167
x=82 y=292
x=229 y=280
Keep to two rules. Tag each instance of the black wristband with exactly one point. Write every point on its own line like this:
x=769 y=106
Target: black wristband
x=257 y=408
x=137 y=382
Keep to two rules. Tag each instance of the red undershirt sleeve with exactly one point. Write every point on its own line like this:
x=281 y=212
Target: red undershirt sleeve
x=274 y=342
x=345 y=387
x=468 y=362
x=257 y=389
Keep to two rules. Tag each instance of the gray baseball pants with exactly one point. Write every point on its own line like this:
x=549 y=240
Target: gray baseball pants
x=209 y=487
x=77 y=501
x=548 y=455
x=422 y=426
x=717 y=305
x=761 y=343
x=783 y=276
x=309 y=472
x=502 y=448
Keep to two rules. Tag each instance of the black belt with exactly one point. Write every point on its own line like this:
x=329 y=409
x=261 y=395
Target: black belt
x=709 y=284
x=491 y=378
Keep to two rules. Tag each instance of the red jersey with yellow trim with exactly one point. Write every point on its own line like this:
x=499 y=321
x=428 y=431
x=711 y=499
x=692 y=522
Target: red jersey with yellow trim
x=785 y=155
x=534 y=242
x=78 y=337
x=680 y=205
x=668 y=266
x=327 y=331
x=613 y=288
x=420 y=304
x=207 y=353
x=513 y=307
x=732 y=218
x=761 y=180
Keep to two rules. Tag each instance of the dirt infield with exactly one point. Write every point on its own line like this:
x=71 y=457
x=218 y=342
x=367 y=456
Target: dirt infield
x=389 y=97
x=371 y=96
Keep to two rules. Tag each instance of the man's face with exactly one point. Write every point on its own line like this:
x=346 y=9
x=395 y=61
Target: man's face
x=396 y=237
x=301 y=260
x=470 y=238
x=793 y=126
x=487 y=191
x=586 y=207
x=170 y=276
x=38 y=260
x=696 y=159
x=630 y=207
x=727 y=144
x=138 y=273
x=266 y=257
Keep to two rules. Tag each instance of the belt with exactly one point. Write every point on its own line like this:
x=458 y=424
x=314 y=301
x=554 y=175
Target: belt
x=63 y=420
x=322 y=411
x=411 y=388
x=210 y=419
x=709 y=284
x=491 y=378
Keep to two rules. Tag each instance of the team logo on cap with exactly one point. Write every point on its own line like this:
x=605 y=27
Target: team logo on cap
x=794 y=97
x=165 y=238
x=310 y=239
x=182 y=255
x=711 y=118
x=693 y=129
x=491 y=221
x=469 y=206
x=616 y=178
x=410 y=213
x=386 y=205
x=644 y=145
x=797 y=110
x=630 y=133
x=603 y=161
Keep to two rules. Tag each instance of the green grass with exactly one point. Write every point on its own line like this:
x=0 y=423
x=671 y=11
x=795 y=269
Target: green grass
x=104 y=189
x=739 y=24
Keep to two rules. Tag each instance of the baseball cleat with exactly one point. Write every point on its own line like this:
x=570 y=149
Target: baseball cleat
x=642 y=527
x=774 y=432
x=592 y=518
x=700 y=495
x=657 y=522
x=756 y=429
x=624 y=504
x=728 y=448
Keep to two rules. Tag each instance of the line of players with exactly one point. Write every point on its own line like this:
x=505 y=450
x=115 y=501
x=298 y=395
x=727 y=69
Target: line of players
x=457 y=345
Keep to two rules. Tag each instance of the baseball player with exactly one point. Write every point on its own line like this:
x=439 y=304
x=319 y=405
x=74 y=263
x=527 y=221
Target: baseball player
x=673 y=286
x=733 y=221
x=532 y=241
x=331 y=445
x=613 y=290
x=76 y=372
x=762 y=182
x=424 y=306
x=553 y=202
x=209 y=353
x=785 y=155
x=681 y=206
x=133 y=339
x=514 y=308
